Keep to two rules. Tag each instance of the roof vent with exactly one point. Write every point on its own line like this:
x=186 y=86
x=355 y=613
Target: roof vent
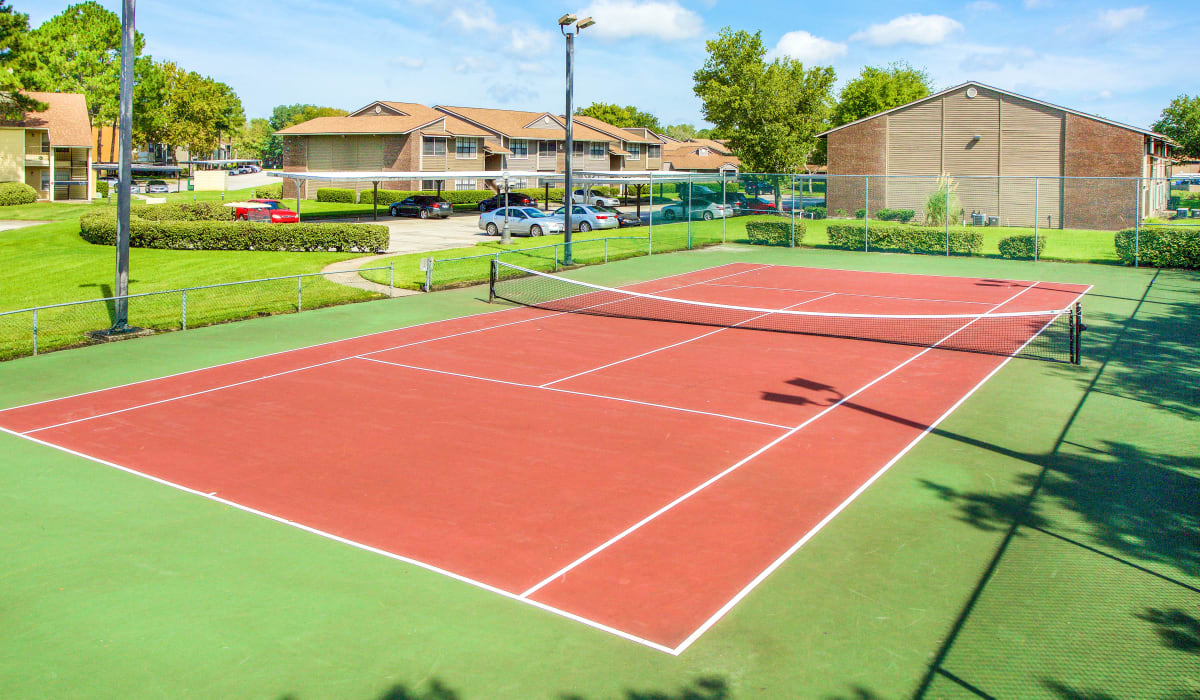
x=972 y=92
x=378 y=109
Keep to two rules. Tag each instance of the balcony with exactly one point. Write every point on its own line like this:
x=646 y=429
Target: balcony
x=35 y=160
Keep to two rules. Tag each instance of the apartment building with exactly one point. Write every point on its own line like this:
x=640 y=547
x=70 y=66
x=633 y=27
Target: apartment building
x=50 y=150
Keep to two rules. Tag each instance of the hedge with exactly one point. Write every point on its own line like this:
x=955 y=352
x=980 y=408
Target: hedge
x=1160 y=246
x=472 y=198
x=269 y=191
x=1021 y=247
x=902 y=215
x=101 y=228
x=774 y=232
x=815 y=211
x=185 y=211
x=102 y=188
x=904 y=238
x=335 y=194
x=16 y=193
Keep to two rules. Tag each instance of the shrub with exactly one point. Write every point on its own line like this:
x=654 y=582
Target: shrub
x=815 y=211
x=841 y=214
x=943 y=202
x=335 y=194
x=902 y=215
x=1021 y=247
x=1160 y=246
x=904 y=238
x=774 y=232
x=16 y=193
x=860 y=213
x=102 y=188
x=385 y=196
x=186 y=211
x=269 y=191
x=101 y=228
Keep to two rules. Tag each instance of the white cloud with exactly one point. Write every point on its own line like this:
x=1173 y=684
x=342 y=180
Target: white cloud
x=1105 y=94
x=472 y=64
x=997 y=58
x=531 y=67
x=529 y=41
x=807 y=48
x=473 y=16
x=1116 y=20
x=910 y=29
x=982 y=6
x=660 y=19
x=407 y=61
x=1036 y=4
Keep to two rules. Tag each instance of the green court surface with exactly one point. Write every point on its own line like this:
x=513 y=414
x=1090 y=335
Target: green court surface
x=1041 y=542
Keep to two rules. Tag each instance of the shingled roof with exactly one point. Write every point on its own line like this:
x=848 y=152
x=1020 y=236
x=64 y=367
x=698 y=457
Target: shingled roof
x=65 y=118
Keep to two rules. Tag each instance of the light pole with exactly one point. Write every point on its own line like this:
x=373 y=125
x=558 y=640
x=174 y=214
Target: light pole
x=121 y=291
x=569 y=28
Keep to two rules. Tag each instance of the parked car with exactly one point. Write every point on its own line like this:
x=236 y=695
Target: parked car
x=759 y=204
x=528 y=221
x=515 y=199
x=759 y=187
x=268 y=210
x=422 y=206
x=700 y=209
x=157 y=187
x=593 y=199
x=624 y=219
x=584 y=218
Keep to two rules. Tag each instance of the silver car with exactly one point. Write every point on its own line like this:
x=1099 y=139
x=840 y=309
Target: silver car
x=529 y=221
x=585 y=218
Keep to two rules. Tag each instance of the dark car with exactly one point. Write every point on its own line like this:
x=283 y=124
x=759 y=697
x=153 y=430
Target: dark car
x=624 y=219
x=515 y=199
x=422 y=206
x=758 y=187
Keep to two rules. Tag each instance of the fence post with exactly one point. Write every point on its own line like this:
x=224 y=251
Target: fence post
x=35 y=330
x=688 y=209
x=650 y=209
x=183 y=312
x=556 y=257
x=1036 y=213
x=1137 y=221
x=946 y=212
x=792 y=239
x=429 y=273
x=725 y=203
x=391 y=279
x=606 y=250
x=299 y=293
x=866 y=213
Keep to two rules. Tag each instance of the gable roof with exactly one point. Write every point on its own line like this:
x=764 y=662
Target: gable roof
x=516 y=124
x=985 y=86
x=626 y=135
x=65 y=118
x=394 y=118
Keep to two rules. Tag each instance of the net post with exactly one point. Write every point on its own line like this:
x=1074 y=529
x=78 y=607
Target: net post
x=492 y=280
x=183 y=312
x=35 y=331
x=1078 y=334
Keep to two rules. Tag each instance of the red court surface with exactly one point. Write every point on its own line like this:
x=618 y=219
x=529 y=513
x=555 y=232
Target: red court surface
x=637 y=476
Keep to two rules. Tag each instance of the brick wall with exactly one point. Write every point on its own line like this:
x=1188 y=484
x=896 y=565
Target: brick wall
x=295 y=160
x=400 y=154
x=1095 y=149
x=857 y=150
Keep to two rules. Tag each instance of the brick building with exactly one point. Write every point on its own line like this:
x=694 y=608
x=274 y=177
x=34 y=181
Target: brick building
x=1009 y=156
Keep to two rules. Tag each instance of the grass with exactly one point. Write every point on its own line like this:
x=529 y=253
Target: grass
x=1040 y=543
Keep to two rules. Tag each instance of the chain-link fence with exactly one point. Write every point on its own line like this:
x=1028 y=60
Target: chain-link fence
x=39 y=329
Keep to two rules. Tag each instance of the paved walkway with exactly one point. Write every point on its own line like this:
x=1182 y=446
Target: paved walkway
x=10 y=224
x=346 y=273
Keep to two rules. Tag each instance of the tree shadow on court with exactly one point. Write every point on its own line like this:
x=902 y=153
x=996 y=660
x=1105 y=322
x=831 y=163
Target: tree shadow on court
x=1176 y=628
x=857 y=693
x=436 y=690
x=704 y=688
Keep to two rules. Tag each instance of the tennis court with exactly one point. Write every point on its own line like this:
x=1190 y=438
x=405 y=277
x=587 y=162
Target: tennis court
x=637 y=460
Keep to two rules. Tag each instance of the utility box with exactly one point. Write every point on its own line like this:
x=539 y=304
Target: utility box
x=209 y=180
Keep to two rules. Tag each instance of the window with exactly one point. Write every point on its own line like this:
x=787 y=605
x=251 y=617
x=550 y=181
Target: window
x=653 y=151
x=433 y=185
x=46 y=143
x=578 y=148
x=517 y=183
x=635 y=150
x=464 y=184
x=466 y=149
x=433 y=147
x=547 y=148
x=598 y=149
x=519 y=147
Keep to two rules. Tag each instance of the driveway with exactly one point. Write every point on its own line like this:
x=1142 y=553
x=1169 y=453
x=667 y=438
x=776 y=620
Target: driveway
x=411 y=235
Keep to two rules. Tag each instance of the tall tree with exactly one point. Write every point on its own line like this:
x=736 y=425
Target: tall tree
x=15 y=59
x=680 y=132
x=769 y=112
x=79 y=50
x=1181 y=121
x=255 y=139
x=625 y=117
x=878 y=89
x=196 y=110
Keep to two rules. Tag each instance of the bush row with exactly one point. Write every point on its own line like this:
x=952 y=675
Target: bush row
x=101 y=228
x=16 y=193
x=1021 y=247
x=390 y=196
x=904 y=238
x=902 y=215
x=1160 y=246
x=184 y=211
x=774 y=232
x=269 y=191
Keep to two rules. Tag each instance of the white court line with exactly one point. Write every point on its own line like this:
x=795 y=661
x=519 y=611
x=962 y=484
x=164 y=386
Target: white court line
x=724 y=609
x=319 y=364
x=334 y=342
x=576 y=393
x=374 y=550
x=852 y=294
x=675 y=345
x=638 y=525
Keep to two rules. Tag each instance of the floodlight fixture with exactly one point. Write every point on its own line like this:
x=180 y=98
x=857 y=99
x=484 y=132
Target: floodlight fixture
x=585 y=23
x=566 y=19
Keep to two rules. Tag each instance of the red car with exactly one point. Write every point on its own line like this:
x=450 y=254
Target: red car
x=266 y=210
x=759 y=204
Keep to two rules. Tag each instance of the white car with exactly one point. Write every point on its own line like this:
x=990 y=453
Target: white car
x=156 y=187
x=528 y=221
x=596 y=200
x=585 y=218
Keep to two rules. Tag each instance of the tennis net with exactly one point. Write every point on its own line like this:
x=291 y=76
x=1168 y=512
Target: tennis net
x=1041 y=335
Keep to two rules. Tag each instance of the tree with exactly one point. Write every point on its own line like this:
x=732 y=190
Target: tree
x=194 y=110
x=284 y=116
x=255 y=139
x=625 y=117
x=1181 y=121
x=769 y=112
x=14 y=61
x=878 y=89
x=79 y=50
x=680 y=132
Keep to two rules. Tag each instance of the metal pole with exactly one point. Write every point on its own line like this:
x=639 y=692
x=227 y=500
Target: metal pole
x=946 y=211
x=125 y=178
x=689 y=213
x=650 y=236
x=375 y=200
x=570 y=141
x=429 y=273
x=35 y=330
x=1035 y=219
x=606 y=250
x=505 y=236
x=725 y=204
x=299 y=293
x=392 y=279
x=183 y=312
x=1137 y=222
x=297 y=182
x=792 y=240
x=866 y=213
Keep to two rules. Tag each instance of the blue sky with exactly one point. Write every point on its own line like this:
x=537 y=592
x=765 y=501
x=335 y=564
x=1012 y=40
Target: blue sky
x=1123 y=59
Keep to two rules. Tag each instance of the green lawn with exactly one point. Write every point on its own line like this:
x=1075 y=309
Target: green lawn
x=1039 y=543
